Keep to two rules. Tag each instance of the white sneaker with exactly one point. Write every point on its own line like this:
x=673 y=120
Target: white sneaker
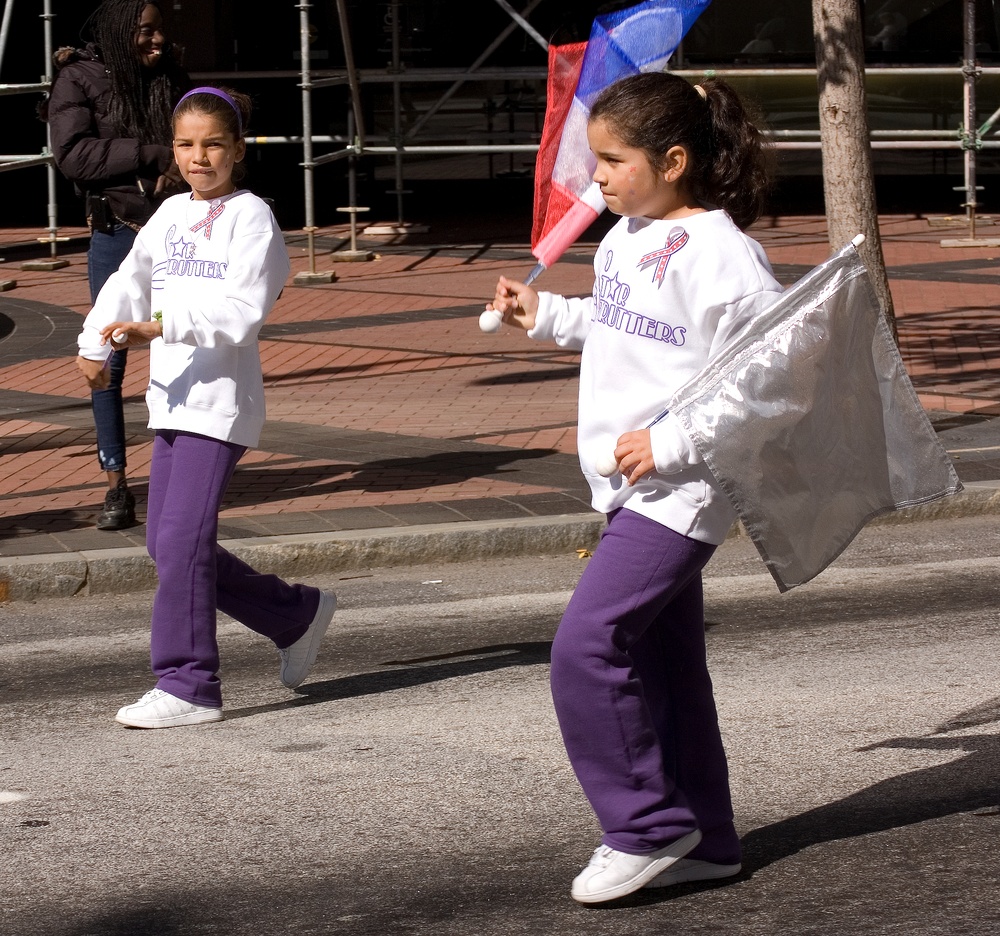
x=612 y=873
x=159 y=709
x=297 y=660
x=690 y=869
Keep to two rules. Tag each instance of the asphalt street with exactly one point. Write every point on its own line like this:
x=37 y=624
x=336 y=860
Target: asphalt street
x=416 y=783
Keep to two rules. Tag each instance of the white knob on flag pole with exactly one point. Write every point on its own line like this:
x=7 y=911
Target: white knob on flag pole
x=490 y=321
x=859 y=239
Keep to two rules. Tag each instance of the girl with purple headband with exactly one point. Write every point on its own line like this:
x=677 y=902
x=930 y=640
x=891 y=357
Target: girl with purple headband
x=206 y=106
x=197 y=287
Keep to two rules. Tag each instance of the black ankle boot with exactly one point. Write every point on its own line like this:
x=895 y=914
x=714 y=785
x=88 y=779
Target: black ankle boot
x=119 y=509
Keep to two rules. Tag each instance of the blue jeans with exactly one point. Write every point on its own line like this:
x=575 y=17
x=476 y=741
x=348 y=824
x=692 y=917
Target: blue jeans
x=106 y=253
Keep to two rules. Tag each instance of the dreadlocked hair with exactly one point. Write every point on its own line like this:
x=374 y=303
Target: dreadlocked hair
x=141 y=98
x=729 y=158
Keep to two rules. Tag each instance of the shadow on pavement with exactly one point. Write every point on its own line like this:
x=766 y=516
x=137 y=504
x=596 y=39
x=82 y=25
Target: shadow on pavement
x=960 y=786
x=966 y=785
x=257 y=485
x=409 y=673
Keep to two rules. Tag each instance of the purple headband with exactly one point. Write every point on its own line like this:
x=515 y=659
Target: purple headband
x=218 y=92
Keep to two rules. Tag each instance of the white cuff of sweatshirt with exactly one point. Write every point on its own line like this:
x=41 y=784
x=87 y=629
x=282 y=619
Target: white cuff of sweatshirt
x=673 y=451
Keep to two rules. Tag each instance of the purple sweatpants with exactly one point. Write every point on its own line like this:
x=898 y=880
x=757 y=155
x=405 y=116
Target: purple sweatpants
x=188 y=477
x=634 y=698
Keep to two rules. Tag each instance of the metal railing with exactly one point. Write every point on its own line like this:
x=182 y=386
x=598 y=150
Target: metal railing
x=44 y=158
x=401 y=142
x=968 y=138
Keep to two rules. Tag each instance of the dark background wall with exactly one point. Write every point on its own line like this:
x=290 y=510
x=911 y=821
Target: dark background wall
x=256 y=48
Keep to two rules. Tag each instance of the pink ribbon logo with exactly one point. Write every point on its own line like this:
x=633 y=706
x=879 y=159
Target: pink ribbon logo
x=676 y=239
x=206 y=222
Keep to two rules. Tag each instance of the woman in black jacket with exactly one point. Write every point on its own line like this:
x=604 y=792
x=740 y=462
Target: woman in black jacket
x=109 y=115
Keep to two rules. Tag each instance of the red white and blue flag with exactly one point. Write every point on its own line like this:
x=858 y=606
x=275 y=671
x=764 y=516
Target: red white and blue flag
x=635 y=39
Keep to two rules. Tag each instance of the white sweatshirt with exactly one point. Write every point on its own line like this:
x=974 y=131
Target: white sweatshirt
x=667 y=296
x=213 y=269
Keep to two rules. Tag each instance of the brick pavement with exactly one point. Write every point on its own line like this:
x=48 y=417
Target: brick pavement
x=387 y=407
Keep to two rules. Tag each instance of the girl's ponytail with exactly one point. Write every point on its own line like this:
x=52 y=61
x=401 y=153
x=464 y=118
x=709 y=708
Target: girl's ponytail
x=737 y=177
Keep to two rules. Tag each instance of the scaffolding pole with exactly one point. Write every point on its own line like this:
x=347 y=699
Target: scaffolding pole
x=972 y=141
x=356 y=138
x=50 y=168
x=400 y=226
x=309 y=276
x=45 y=158
x=8 y=10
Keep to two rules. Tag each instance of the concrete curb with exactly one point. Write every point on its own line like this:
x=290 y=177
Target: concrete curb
x=120 y=571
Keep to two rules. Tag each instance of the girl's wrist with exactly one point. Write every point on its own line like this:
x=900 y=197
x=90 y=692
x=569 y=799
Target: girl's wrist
x=157 y=317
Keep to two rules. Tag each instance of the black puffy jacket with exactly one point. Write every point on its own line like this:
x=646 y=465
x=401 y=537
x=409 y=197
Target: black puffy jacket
x=86 y=145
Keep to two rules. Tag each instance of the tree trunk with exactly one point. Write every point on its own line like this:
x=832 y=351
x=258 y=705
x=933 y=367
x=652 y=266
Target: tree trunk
x=848 y=177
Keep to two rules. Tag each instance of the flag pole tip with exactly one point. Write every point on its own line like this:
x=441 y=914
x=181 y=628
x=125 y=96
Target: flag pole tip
x=859 y=239
x=538 y=270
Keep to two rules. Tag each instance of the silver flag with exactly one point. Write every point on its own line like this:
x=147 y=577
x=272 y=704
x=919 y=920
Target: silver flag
x=810 y=424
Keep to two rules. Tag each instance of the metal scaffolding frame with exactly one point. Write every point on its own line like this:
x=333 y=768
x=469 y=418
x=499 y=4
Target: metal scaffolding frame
x=970 y=139
x=8 y=162
x=403 y=141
